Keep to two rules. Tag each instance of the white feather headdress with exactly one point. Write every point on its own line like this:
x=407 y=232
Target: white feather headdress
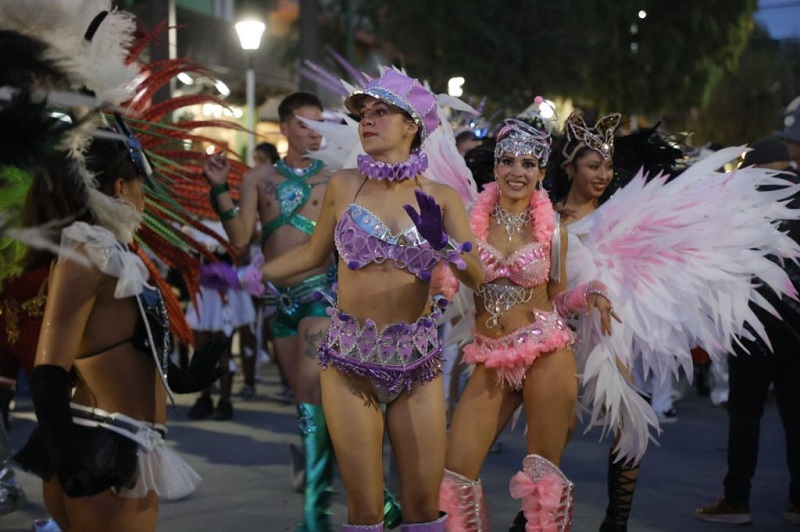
x=90 y=41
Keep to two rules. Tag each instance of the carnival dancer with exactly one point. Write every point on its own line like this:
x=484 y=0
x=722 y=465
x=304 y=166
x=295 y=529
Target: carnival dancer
x=522 y=345
x=583 y=174
x=100 y=449
x=102 y=468
x=381 y=349
x=287 y=199
x=634 y=242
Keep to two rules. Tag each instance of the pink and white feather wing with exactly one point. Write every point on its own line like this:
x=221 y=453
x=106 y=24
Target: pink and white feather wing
x=682 y=260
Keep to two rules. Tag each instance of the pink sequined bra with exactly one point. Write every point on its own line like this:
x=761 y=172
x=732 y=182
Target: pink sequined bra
x=526 y=267
x=362 y=238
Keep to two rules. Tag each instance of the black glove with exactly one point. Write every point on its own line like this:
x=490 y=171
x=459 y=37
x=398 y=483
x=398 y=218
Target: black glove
x=50 y=389
x=203 y=369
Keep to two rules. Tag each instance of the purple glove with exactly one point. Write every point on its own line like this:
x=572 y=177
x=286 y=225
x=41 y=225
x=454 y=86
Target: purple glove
x=221 y=276
x=251 y=278
x=429 y=220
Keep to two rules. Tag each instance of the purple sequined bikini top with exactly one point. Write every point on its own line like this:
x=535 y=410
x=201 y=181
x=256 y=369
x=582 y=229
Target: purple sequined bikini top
x=362 y=238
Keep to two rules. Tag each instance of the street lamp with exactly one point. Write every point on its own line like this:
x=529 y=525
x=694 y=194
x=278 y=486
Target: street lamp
x=454 y=86
x=249 y=32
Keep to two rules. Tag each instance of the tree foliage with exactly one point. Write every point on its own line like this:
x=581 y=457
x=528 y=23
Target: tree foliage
x=746 y=104
x=511 y=51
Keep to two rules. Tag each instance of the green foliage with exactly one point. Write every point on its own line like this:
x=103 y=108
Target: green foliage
x=511 y=51
x=745 y=104
x=331 y=30
x=15 y=183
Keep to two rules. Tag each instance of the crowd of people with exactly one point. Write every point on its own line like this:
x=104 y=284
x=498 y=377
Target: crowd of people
x=347 y=273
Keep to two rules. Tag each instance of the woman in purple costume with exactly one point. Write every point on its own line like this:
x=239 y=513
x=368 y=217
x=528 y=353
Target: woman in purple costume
x=522 y=347
x=382 y=346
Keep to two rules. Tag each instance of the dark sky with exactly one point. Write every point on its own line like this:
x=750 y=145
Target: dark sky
x=781 y=17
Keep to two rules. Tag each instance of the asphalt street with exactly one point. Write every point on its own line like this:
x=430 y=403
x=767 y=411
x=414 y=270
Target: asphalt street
x=246 y=474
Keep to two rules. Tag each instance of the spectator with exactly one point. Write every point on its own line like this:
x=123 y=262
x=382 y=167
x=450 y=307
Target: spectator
x=752 y=372
x=266 y=153
x=790 y=134
x=466 y=140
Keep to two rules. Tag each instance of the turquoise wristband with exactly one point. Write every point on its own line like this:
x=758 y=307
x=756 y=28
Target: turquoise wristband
x=230 y=214
x=216 y=190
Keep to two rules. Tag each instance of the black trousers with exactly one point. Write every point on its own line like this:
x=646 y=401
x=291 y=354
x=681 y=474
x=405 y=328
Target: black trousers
x=750 y=378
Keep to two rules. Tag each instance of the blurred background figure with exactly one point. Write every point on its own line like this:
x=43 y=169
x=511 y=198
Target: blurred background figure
x=11 y=494
x=219 y=314
x=266 y=153
x=466 y=140
x=753 y=371
x=790 y=135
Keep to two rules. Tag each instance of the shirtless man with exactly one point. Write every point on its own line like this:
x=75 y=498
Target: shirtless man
x=286 y=198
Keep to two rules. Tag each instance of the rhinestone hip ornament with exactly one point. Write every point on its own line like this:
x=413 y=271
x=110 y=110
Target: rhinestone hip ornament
x=513 y=222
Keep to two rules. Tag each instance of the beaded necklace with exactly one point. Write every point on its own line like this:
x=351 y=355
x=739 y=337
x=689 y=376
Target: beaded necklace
x=290 y=172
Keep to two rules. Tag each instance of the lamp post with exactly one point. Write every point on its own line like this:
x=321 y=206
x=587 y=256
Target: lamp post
x=455 y=86
x=249 y=32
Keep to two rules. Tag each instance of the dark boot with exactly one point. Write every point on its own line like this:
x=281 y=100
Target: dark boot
x=202 y=408
x=319 y=468
x=224 y=410
x=621 y=487
x=701 y=384
x=518 y=525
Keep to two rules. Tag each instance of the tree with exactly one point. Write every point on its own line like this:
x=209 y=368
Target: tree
x=745 y=104
x=510 y=51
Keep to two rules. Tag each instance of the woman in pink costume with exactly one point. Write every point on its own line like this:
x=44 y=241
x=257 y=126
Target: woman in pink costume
x=522 y=346
x=382 y=346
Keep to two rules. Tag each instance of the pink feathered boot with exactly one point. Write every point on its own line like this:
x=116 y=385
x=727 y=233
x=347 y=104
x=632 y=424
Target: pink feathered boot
x=545 y=493
x=462 y=500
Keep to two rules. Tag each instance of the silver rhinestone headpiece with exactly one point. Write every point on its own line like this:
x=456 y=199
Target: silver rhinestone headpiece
x=521 y=138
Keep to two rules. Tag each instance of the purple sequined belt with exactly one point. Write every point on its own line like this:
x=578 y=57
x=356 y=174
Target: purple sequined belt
x=393 y=358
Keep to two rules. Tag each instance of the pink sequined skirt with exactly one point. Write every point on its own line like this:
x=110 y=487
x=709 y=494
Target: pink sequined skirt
x=512 y=355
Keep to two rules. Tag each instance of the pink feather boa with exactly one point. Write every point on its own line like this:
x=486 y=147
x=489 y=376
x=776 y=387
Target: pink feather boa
x=445 y=283
x=541 y=208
